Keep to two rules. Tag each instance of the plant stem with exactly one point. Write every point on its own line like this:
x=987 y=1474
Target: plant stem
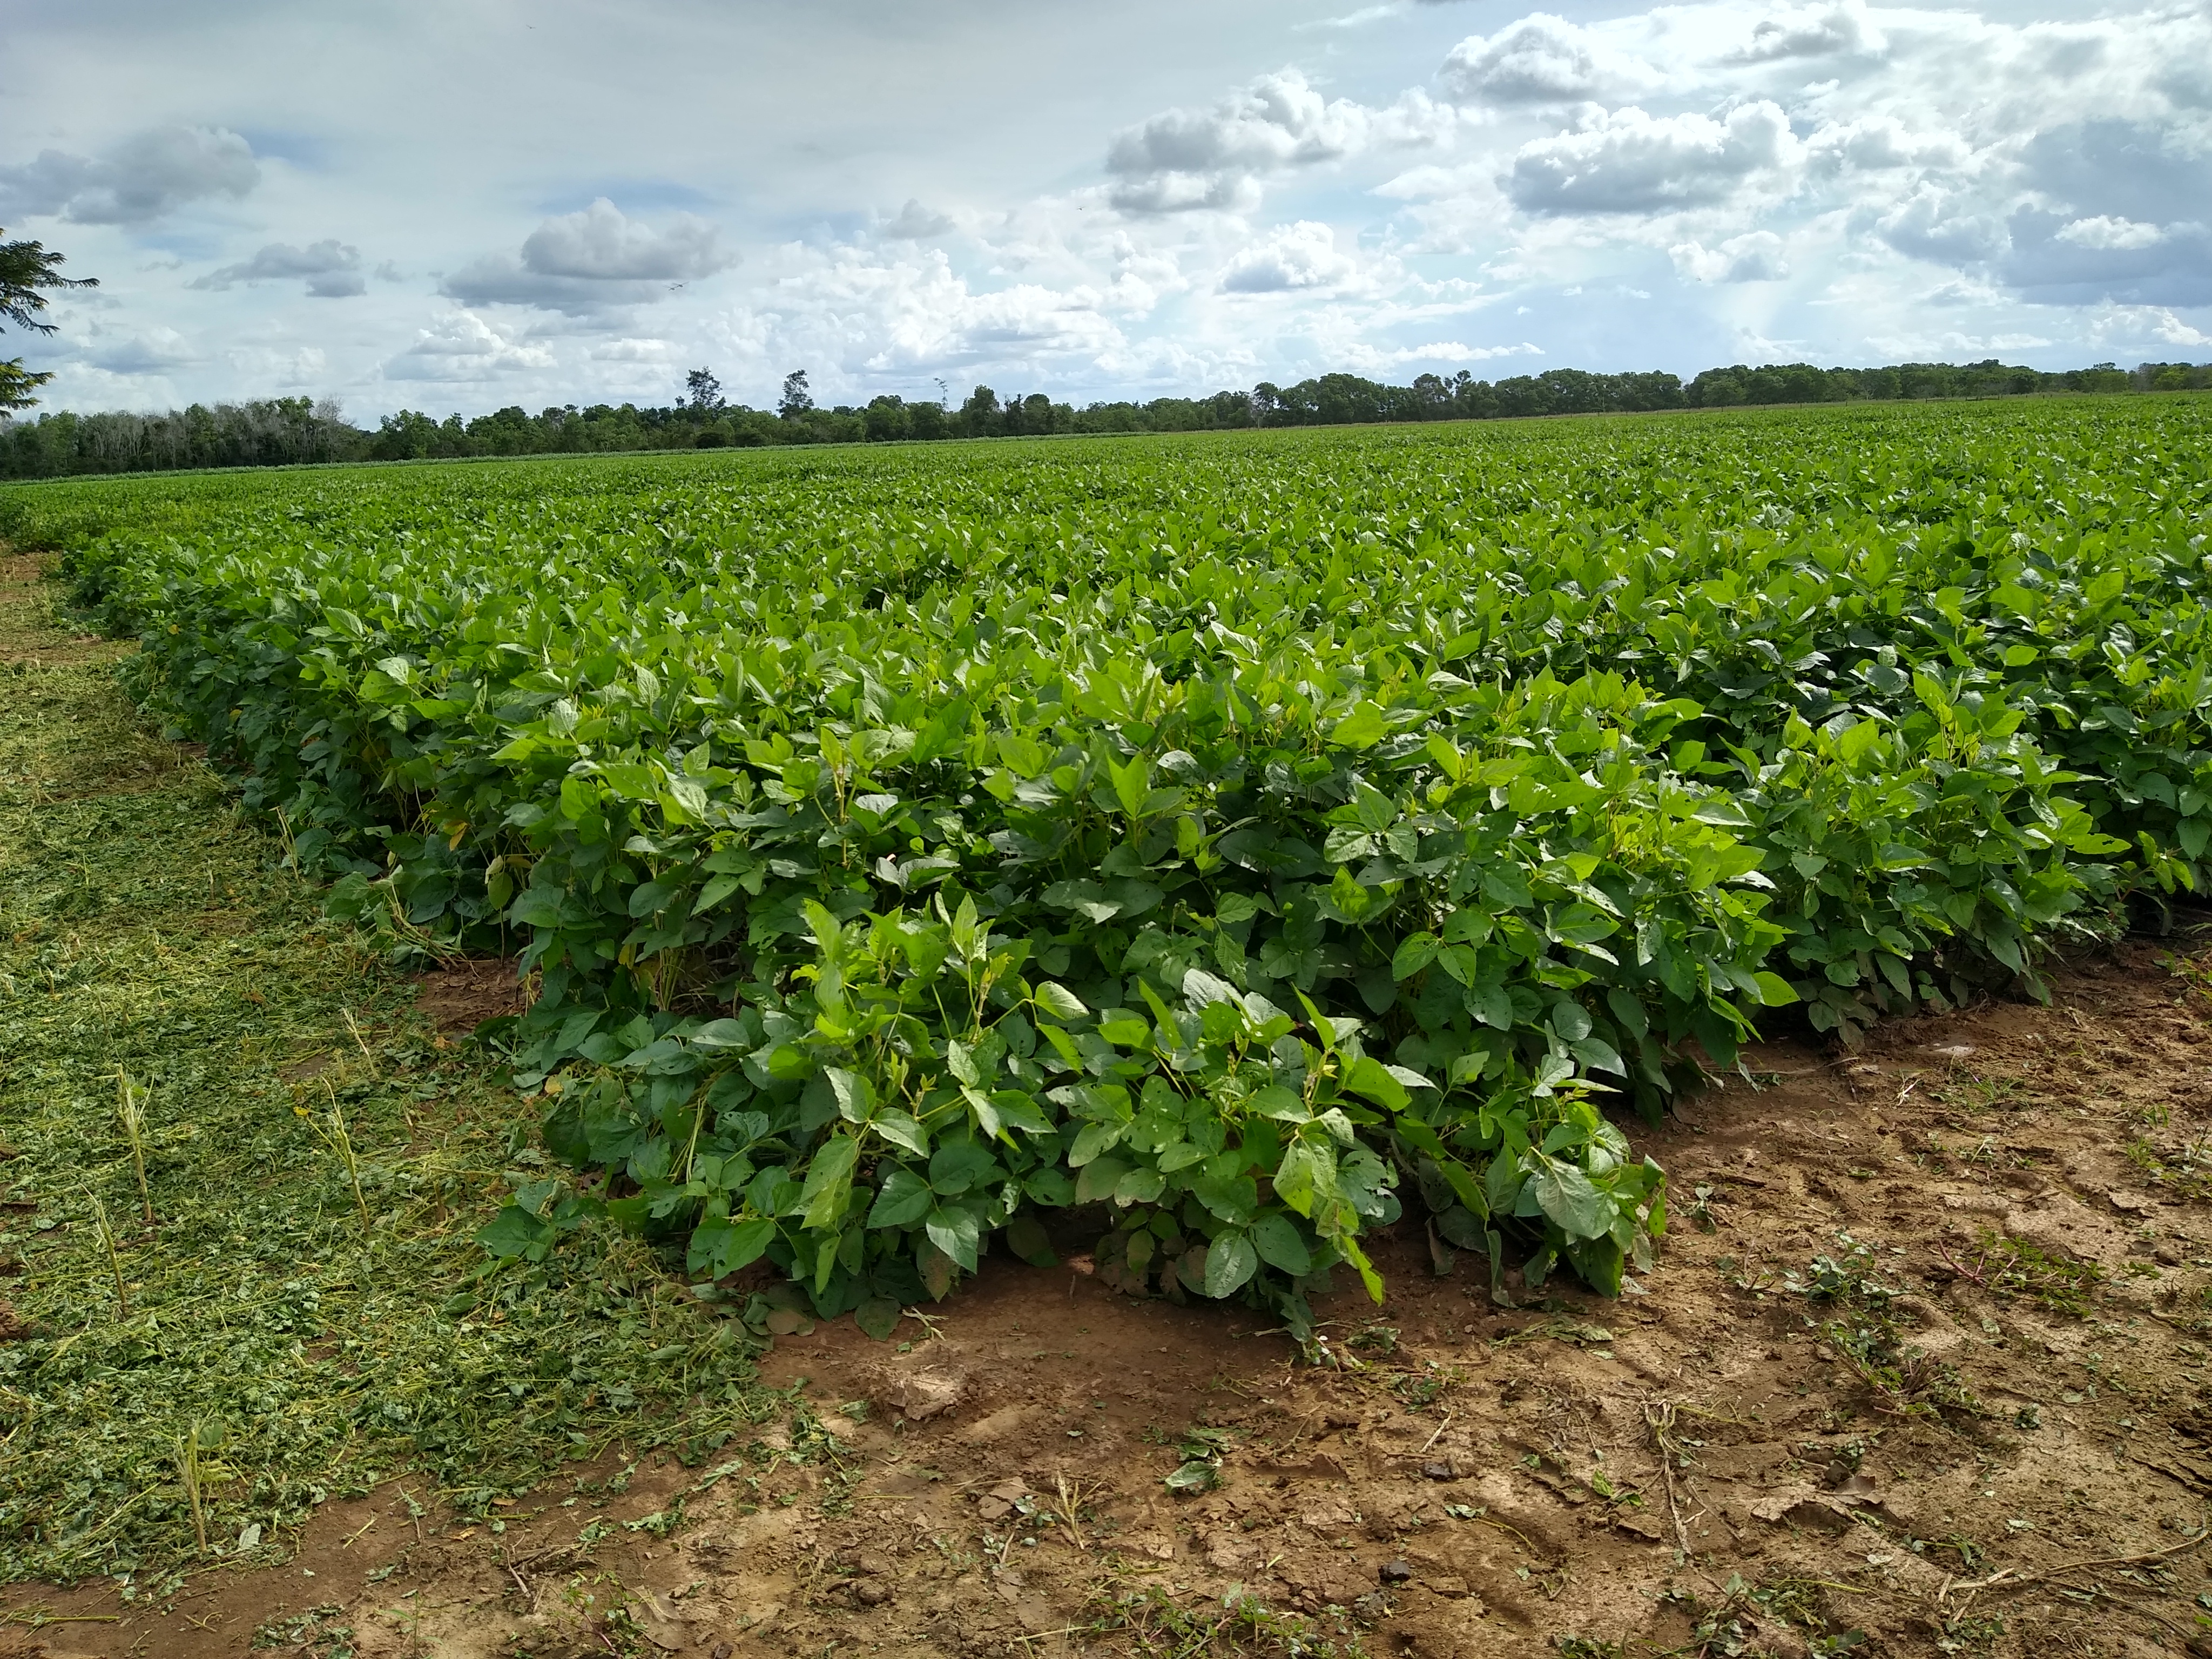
x=114 y=1259
x=132 y=1107
x=361 y=1041
x=341 y=1143
x=188 y=1467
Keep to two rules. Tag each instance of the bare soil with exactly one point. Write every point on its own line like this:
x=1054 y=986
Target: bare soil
x=2016 y=1463
x=461 y=995
x=22 y=595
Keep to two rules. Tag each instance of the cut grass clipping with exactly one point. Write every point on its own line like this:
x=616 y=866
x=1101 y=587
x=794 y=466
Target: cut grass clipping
x=1248 y=833
x=238 y=1244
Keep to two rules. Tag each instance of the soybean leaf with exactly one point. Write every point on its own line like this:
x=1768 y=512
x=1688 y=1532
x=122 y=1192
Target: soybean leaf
x=1058 y=1001
x=1280 y=1246
x=1231 y=1261
x=829 y=1184
x=955 y=1229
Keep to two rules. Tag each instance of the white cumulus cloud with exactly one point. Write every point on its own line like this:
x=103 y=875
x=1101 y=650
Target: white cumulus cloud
x=2148 y=324
x=1215 y=157
x=139 y=351
x=1541 y=59
x=592 y=261
x=1813 y=31
x=1877 y=143
x=914 y=223
x=1946 y=227
x=1628 y=161
x=463 y=347
x=2107 y=234
x=1296 y=257
x=1753 y=257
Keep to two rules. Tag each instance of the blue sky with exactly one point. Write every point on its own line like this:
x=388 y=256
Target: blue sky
x=479 y=203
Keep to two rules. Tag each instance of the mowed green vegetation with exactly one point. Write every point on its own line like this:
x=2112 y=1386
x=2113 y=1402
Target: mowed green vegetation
x=1248 y=834
x=193 y=1274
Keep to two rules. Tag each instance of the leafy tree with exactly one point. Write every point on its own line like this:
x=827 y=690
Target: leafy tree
x=705 y=391
x=25 y=269
x=979 y=415
x=926 y=419
x=886 y=419
x=797 y=400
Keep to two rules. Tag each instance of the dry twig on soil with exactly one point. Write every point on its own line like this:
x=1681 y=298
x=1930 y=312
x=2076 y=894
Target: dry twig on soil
x=2009 y=1579
x=1659 y=1416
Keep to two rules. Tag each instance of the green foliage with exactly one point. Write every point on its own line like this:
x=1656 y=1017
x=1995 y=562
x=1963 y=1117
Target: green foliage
x=1240 y=834
x=26 y=269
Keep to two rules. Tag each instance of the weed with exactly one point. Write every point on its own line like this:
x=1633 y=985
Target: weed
x=114 y=1258
x=2010 y=1266
x=319 y=1633
x=189 y=1475
x=1729 y=1627
x=1701 y=1216
x=1846 y=1279
x=1747 y=1277
x=333 y=1131
x=1903 y=1381
x=1200 y=1469
x=1158 y=1626
x=2185 y=1173
x=601 y=1605
x=1980 y=1094
x=2194 y=972
x=1972 y=1633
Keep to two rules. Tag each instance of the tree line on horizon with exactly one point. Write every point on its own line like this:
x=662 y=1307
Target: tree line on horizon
x=291 y=431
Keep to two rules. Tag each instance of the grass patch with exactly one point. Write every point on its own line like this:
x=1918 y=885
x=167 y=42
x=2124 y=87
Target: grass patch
x=183 y=1033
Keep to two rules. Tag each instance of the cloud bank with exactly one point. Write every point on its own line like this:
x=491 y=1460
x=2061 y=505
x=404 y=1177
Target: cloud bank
x=1399 y=188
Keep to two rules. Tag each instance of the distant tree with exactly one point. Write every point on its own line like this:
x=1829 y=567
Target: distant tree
x=705 y=391
x=886 y=419
x=25 y=269
x=926 y=419
x=797 y=400
x=979 y=415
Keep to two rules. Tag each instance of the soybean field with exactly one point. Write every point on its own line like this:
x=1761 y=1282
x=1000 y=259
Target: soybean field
x=1219 y=847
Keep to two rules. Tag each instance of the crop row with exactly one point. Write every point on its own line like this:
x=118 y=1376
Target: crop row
x=1235 y=833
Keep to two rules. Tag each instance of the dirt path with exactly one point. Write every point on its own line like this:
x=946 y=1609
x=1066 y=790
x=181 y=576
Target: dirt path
x=1980 y=1427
